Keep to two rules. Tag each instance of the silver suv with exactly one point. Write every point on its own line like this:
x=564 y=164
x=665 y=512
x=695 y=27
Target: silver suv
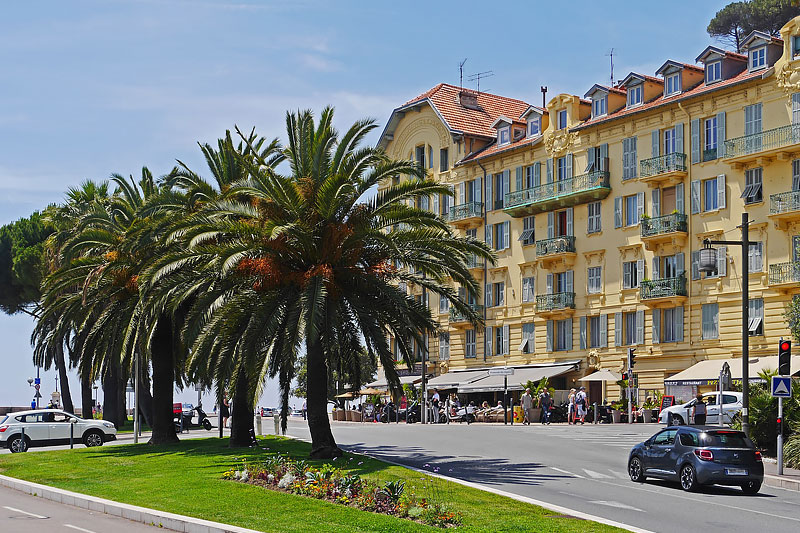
x=44 y=427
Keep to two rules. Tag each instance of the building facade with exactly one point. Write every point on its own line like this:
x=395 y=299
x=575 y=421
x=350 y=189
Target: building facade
x=598 y=205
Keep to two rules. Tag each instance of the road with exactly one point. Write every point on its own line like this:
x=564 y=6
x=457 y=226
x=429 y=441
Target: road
x=578 y=467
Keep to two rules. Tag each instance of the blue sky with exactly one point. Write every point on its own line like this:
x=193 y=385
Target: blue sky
x=93 y=87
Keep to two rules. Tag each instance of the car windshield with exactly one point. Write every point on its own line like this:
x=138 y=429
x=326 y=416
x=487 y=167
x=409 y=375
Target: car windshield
x=725 y=439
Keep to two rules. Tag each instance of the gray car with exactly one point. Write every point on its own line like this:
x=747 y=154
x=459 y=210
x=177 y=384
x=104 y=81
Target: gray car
x=696 y=455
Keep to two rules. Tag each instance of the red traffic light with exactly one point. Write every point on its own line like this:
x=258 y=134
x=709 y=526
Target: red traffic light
x=785 y=345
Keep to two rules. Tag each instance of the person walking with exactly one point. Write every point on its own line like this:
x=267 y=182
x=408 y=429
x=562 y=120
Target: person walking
x=305 y=407
x=571 y=406
x=527 y=407
x=546 y=403
x=580 y=404
x=699 y=411
x=225 y=411
x=435 y=403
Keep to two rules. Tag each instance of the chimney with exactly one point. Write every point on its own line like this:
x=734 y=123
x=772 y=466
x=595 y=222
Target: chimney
x=469 y=100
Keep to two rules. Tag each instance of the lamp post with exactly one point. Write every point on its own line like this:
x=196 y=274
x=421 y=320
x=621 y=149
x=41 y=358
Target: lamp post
x=708 y=263
x=95 y=396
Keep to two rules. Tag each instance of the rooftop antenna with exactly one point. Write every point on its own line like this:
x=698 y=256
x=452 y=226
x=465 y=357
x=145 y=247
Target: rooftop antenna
x=543 y=88
x=611 y=55
x=477 y=77
x=461 y=73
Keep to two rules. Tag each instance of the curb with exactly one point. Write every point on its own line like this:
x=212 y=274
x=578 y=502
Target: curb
x=781 y=482
x=170 y=521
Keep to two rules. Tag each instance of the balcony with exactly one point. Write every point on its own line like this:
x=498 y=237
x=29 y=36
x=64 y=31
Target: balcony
x=664 y=170
x=762 y=148
x=554 y=251
x=475 y=264
x=557 y=194
x=667 y=290
x=784 y=208
x=465 y=214
x=668 y=229
x=785 y=275
x=460 y=318
x=556 y=304
x=710 y=154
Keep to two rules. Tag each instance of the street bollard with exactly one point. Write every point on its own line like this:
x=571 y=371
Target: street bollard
x=24 y=447
x=72 y=435
x=258 y=425
x=276 y=420
x=595 y=412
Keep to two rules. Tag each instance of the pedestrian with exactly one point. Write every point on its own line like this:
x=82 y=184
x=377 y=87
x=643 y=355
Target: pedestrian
x=304 y=410
x=435 y=404
x=571 y=406
x=527 y=407
x=699 y=411
x=546 y=402
x=580 y=403
x=225 y=411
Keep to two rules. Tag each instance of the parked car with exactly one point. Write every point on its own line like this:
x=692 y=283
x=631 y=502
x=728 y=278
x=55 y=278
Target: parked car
x=267 y=412
x=45 y=427
x=677 y=415
x=695 y=456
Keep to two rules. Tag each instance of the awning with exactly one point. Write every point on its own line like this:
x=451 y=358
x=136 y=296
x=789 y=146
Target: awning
x=452 y=380
x=515 y=382
x=707 y=372
x=404 y=380
x=602 y=375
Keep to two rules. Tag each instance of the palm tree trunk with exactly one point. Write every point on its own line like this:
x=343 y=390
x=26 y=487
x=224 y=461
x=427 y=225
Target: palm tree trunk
x=145 y=398
x=163 y=383
x=66 y=397
x=122 y=413
x=242 y=416
x=323 y=446
x=111 y=393
x=87 y=401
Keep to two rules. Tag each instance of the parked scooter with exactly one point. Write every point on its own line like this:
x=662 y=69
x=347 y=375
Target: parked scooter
x=460 y=413
x=202 y=420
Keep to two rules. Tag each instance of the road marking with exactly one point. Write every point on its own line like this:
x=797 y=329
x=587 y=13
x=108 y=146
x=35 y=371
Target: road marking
x=618 y=505
x=23 y=512
x=595 y=475
x=78 y=528
x=566 y=472
x=620 y=475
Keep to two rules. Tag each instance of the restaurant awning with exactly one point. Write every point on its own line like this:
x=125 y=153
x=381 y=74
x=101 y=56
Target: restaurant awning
x=602 y=375
x=452 y=380
x=521 y=375
x=383 y=383
x=707 y=372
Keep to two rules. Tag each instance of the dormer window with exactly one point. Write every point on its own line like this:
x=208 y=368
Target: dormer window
x=599 y=105
x=672 y=84
x=504 y=135
x=634 y=95
x=562 y=119
x=758 y=58
x=534 y=127
x=713 y=72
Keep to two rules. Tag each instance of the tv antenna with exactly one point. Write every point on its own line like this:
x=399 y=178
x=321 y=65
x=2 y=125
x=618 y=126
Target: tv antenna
x=611 y=55
x=461 y=73
x=480 y=75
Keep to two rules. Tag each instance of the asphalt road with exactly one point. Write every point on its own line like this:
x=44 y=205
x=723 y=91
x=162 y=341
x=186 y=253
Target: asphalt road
x=578 y=467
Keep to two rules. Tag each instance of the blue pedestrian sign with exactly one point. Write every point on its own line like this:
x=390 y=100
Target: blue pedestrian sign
x=782 y=386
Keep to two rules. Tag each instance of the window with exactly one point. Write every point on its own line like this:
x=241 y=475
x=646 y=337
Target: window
x=710 y=202
x=710 y=316
x=631 y=210
x=593 y=274
x=534 y=126
x=528 y=291
x=528 y=235
x=673 y=325
x=752 y=186
x=594 y=331
x=561 y=168
x=444 y=304
x=420 y=156
x=630 y=327
x=444 y=160
x=710 y=139
x=444 y=346
x=504 y=135
x=631 y=271
x=756 y=257
x=758 y=58
x=594 y=218
x=495 y=294
x=501 y=179
x=629 y=158
x=563 y=282
x=562 y=119
x=795 y=46
x=500 y=340
x=634 y=95
x=599 y=106
x=563 y=334
x=531 y=174
x=756 y=323
x=669 y=141
x=498 y=234
x=665 y=438
x=444 y=204
x=713 y=72
x=528 y=338
x=430 y=157
x=672 y=84
x=469 y=343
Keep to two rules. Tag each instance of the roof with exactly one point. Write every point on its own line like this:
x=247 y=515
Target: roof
x=755 y=34
x=467 y=377
x=643 y=77
x=670 y=63
x=533 y=109
x=598 y=87
x=726 y=53
x=494 y=148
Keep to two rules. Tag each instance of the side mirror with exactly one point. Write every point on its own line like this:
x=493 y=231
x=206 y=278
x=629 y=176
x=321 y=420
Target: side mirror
x=73 y=420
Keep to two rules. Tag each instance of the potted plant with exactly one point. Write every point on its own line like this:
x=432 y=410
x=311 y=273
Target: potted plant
x=536 y=389
x=616 y=411
x=648 y=406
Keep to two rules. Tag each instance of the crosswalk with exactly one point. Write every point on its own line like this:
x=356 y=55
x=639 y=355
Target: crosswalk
x=600 y=437
x=585 y=473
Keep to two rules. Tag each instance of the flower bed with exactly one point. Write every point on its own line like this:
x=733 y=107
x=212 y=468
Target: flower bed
x=336 y=485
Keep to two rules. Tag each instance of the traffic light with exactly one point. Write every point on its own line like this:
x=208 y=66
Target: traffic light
x=624 y=376
x=631 y=357
x=784 y=357
x=780 y=426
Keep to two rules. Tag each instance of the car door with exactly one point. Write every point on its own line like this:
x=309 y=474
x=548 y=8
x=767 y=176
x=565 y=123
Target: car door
x=658 y=453
x=731 y=405
x=59 y=427
x=35 y=427
x=712 y=408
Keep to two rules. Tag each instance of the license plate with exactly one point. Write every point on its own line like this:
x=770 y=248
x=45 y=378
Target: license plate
x=736 y=471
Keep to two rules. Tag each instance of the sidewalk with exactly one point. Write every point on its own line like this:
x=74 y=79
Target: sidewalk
x=789 y=480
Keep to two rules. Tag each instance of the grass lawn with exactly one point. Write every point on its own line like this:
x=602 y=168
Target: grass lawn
x=185 y=479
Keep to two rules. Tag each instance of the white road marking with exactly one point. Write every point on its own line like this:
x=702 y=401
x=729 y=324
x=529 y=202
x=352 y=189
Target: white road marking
x=618 y=505
x=566 y=472
x=595 y=475
x=620 y=475
x=23 y=512
x=78 y=528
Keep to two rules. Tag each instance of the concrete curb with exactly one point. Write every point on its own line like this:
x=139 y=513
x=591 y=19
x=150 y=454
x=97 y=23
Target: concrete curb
x=782 y=482
x=171 y=521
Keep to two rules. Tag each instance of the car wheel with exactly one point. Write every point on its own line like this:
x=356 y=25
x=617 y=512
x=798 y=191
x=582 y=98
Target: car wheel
x=93 y=438
x=675 y=420
x=636 y=470
x=688 y=478
x=18 y=444
x=751 y=487
x=207 y=424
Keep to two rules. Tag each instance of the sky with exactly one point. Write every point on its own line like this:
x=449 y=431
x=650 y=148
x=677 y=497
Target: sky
x=94 y=87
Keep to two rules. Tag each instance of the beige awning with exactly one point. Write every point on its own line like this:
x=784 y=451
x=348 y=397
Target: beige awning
x=516 y=381
x=707 y=372
x=384 y=383
x=452 y=380
x=602 y=375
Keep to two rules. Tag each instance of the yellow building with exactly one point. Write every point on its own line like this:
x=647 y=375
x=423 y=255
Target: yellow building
x=598 y=205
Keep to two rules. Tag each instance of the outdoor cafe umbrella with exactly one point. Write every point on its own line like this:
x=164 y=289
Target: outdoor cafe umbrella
x=370 y=392
x=602 y=375
x=346 y=395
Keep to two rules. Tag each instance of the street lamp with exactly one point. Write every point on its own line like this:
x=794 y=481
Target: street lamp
x=95 y=396
x=708 y=264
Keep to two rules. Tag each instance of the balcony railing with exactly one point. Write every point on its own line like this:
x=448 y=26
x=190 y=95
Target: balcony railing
x=662 y=288
x=662 y=164
x=557 y=245
x=474 y=261
x=560 y=300
x=468 y=210
x=784 y=273
x=556 y=189
x=766 y=140
x=784 y=202
x=456 y=316
x=710 y=154
x=666 y=224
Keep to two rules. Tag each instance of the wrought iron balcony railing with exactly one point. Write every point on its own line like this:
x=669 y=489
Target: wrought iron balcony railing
x=474 y=261
x=557 y=245
x=784 y=202
x=559 y=300
x=462 y=211
x=766 y=140
x=710 y=154
x=456 y=316
x=556 y=189
x=662 y=164
x=784 y=273
x=662 y=288
x=664 y=224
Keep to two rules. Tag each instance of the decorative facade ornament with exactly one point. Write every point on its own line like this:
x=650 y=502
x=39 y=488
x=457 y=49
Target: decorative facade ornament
x=788 y=77
x=594 y=360
x=559 y=142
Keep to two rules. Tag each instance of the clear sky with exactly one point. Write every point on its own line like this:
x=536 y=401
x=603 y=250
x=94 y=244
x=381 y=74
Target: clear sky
x=93 y=87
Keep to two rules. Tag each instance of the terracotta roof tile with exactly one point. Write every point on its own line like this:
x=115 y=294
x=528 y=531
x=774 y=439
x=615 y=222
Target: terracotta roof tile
x=494 y=149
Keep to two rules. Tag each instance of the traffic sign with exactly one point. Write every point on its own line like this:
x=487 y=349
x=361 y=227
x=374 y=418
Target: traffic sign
x=781 y=386
x=37 y=386
x=501 y=371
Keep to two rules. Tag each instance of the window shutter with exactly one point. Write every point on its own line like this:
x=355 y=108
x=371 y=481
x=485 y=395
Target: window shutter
x=568 y=344
x=590 y=160
x=695 y=192
x=549 y=284
x=583 y=333
x=603 y=156
x=757 y=117
x=568 y=166
x=639 y=327
x=569 y=279
x=570 y=215
x=506 y=232
x=656 y=326
x=678 y=324
x=721 y=191
x=462 y=192
x=639 y=206
x=796 y=109
x=478 y=190
x=551 y=231
x=639 y=271
x=796 y=175
x=507 y=184
x=656 y=267
x=436 y=203
x=489 y=196
x=626 y=143
x=722 y=261
x=655 y=139
x=656 y=209
x=720 y=134
x=618 y=212
x=679 y=259
x=506 y=334
x=694 y=132
x=550 y=170
x=549 y=335
x=489 y=231
x=604 y=331
x=618 y=329
x=679 y=198
x=695 y=264
x=679 y=138
x=519 y=179
x=489 y=337
x=626 y=275
x=633 y=157
x=537 y=173
x=487 y=295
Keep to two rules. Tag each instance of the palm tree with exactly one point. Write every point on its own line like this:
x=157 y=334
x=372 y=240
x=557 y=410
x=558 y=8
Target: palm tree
x=301 y=261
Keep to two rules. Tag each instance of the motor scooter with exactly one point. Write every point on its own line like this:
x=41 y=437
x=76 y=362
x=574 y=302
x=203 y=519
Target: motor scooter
x=202 y=420
x=460 y=413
